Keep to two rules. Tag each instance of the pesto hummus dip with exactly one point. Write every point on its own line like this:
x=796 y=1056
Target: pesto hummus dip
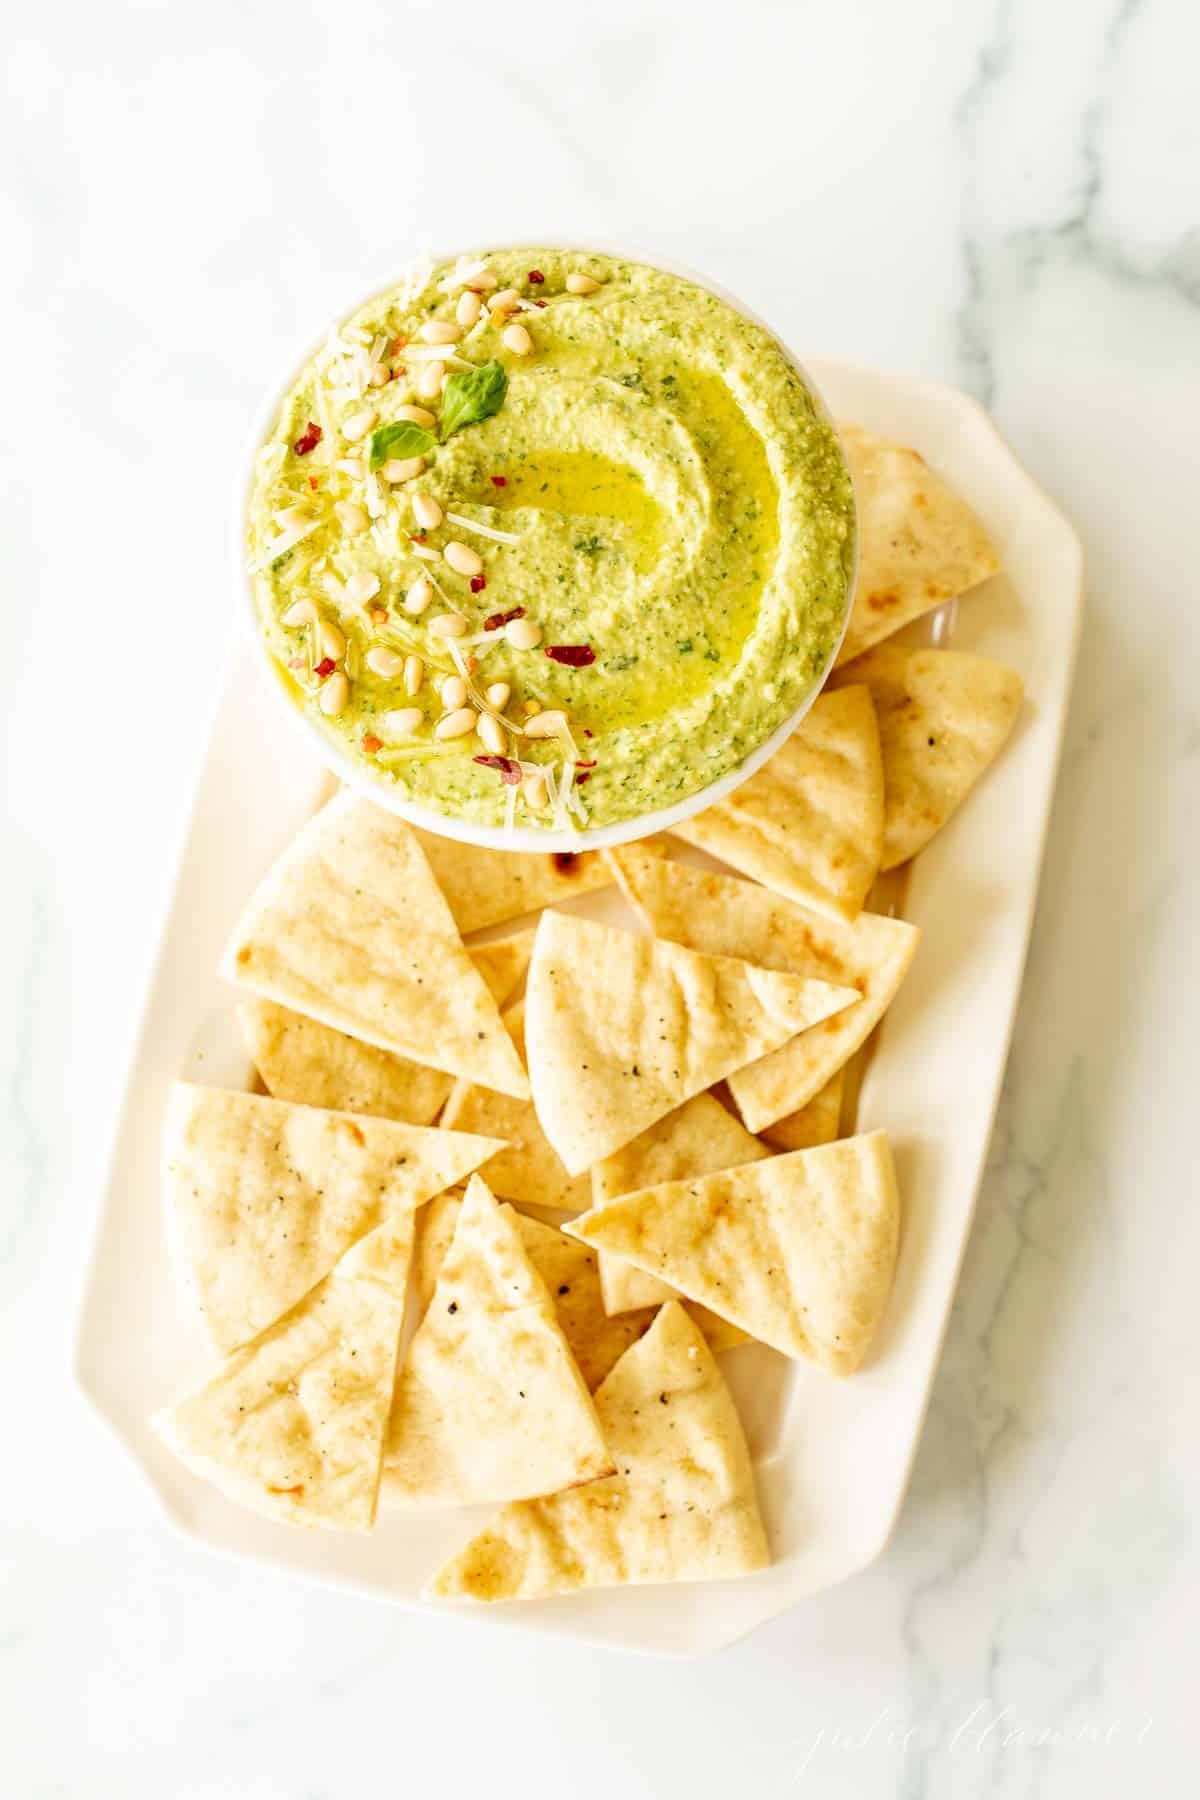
x=550 y=538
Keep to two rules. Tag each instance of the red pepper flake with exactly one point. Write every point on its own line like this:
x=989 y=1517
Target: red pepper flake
x=371 y=743
x=580 y=779
x=508 y=770
x=572 y=656
x=586 y=765
x=586 y=732
x=399 y=371
x=308 y=440
x=497 y=621
x=325 y=667
x=397 y=345
x=478 y=583
x=313 y=483
x=499 y=480
x=536 y=277
x=542 y=303
x=418 y=537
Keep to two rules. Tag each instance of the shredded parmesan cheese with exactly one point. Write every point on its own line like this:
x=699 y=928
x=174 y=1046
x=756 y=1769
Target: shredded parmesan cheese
x=487 y=531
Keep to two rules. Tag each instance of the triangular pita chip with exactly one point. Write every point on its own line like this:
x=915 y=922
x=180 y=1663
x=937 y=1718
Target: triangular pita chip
x=798 y=1250
x=569 y=1270
x=943 y=717
x=816 y=1123
x=302 y=1060
x=503 y=963
x=726 y=917
x=484 y=887
x=293 y=1424
x=621 y=1029
x=682 y=1508
x=489 y=1403
x=351 y=928
x=810 y=822
x=697 y=1139
x=263 y=1197
x=529 y=1170
x=918 y=542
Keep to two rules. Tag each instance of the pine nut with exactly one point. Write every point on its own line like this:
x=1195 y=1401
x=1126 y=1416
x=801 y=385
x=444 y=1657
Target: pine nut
x=482 y=281
x=533 y=787
x=429 y=381
x=523 y=634
x=506 y=301
x=426 y=511
x=414 y=674
x=417 y=415
x=498 y=695
x=353 y=466
x=468 y=309
x=453 y=693
x=462 y=559
x=456 y=724
x=404 y=721
x=439 y=331
x=448 y=625
x=302 y=613
x=387 y=663
x=361 y=587
x=491 y=734
x=356 y=425
x=352 y=519
x=418 y=596
x=581 y=284
x=331 y=640
x=402 y=468
x=546 y=724
x=334 y=695
x=517 y=339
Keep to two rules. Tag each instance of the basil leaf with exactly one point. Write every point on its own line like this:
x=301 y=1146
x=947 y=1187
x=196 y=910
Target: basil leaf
x=401 y=440
x=471 y=396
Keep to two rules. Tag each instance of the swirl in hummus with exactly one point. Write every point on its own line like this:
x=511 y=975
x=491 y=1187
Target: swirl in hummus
x=550 y=536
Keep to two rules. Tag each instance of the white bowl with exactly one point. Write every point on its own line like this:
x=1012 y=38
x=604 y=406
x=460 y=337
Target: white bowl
x=521 y=837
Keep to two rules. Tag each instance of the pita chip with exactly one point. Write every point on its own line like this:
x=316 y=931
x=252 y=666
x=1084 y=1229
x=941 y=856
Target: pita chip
x=621 y=1029
x=799 y=1250
x=569 y=1270
x=682 y=1508
x=944 y=717
x=350 y=928
x=697 y=1139
x=489 y=1404
x=293 y=1424
x=723 y=916
x=816 y=1123
x=810 y=823
x=302 y=1060
x=484 y=887
x=918 y=542
x=529 y=1168
x=263 y=1197
x=503 y=963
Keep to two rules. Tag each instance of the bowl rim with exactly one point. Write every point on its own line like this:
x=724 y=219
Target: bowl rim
x=522 y=838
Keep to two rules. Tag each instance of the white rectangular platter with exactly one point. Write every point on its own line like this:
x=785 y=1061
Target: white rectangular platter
x=833 y=1457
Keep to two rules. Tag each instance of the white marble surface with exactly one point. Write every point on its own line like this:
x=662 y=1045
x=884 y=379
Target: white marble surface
x=1000 y=193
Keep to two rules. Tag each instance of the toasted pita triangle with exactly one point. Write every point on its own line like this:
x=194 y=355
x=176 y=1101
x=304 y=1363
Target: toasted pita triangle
x=723 y=916
x=529 y=1169
x=918 y=542
x=569 y=1270
x=263 y=1197
x=490 y=1404
x=351 y=928
x=683 y=1507
x=485 y=887
x=621 y=1029
x=503 y=963
x=697 y=1139
x=810 y=823
x=798 y=1250
x=817 y=1122
x=293 y=1424
x=302 y=1060
x=943 y=717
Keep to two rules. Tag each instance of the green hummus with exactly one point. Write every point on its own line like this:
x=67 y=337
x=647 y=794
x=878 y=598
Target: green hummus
x=676 y=527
